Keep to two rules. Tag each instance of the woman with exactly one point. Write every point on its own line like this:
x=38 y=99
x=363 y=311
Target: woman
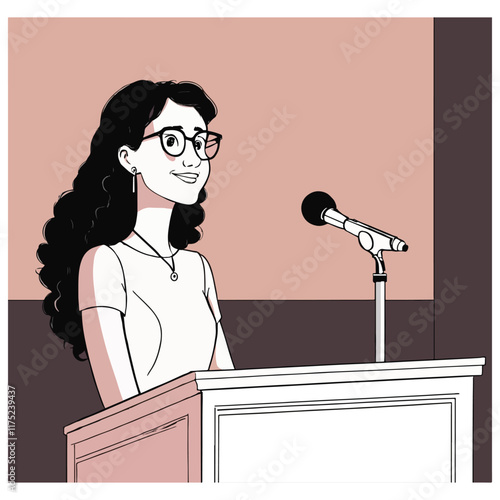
x=123 y=288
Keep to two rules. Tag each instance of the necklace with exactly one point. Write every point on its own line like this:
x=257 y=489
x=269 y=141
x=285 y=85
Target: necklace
x=173 y=276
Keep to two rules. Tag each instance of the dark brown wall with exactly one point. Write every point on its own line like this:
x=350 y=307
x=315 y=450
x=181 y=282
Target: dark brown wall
x=462 y=211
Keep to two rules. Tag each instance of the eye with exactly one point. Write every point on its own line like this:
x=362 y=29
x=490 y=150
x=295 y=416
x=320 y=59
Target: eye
x=200 y=142
x=171 y=141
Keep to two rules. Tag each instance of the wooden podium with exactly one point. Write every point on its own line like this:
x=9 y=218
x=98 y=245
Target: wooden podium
x=405 y=421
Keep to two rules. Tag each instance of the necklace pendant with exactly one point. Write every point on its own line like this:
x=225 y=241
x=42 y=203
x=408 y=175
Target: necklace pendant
x=174 y=276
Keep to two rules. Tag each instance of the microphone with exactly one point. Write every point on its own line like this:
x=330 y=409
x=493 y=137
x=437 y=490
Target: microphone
x=319 y=208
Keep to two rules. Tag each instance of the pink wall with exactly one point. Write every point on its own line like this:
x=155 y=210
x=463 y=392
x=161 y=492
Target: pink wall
x=352 y=122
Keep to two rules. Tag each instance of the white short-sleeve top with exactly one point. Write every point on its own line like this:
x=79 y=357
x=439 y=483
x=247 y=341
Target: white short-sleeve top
x=170 y=326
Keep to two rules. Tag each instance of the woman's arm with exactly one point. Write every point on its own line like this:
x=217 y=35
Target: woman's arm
x=102 y=300
x=221 y=358
x=108 y=354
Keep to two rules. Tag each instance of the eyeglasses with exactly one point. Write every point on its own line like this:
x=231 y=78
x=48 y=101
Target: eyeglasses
x=173 y=141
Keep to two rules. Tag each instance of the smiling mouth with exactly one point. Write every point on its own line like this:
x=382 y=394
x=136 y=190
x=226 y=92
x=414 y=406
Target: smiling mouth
x=189 y=178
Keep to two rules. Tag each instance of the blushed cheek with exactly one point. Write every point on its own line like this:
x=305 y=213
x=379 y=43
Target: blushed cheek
x=163 y=157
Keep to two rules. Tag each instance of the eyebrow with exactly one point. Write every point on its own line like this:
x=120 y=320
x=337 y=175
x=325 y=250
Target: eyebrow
x=196 y=129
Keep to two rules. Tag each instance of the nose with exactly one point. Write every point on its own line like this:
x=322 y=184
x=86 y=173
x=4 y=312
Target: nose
x=190 y=158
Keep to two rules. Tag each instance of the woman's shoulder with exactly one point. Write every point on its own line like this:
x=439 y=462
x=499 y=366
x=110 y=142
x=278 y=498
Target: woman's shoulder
x=192 y=255
x=101 y=257
x=195 y=260
x=101 y=280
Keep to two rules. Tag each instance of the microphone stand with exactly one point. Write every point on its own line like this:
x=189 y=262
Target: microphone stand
x=380 y=279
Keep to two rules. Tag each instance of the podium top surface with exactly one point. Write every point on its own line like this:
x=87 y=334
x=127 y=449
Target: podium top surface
x=387 y=369
x=199 y=381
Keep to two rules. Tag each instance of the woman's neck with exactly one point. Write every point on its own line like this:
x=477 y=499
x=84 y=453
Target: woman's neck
x=153 y=221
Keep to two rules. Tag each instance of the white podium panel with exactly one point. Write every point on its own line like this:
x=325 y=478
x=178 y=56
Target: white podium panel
x=373 y=422
x=384 y=441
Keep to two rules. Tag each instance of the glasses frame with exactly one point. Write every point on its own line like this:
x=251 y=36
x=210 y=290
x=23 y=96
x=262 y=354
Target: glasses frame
x=186 y=138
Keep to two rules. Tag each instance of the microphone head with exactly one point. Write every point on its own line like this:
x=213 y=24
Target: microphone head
x=314 y=205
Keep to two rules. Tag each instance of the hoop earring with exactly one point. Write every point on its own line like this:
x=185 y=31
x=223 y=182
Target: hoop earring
x=134 y=179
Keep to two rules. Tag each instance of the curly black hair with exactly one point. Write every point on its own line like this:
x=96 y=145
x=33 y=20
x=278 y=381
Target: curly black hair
x=101 y=209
